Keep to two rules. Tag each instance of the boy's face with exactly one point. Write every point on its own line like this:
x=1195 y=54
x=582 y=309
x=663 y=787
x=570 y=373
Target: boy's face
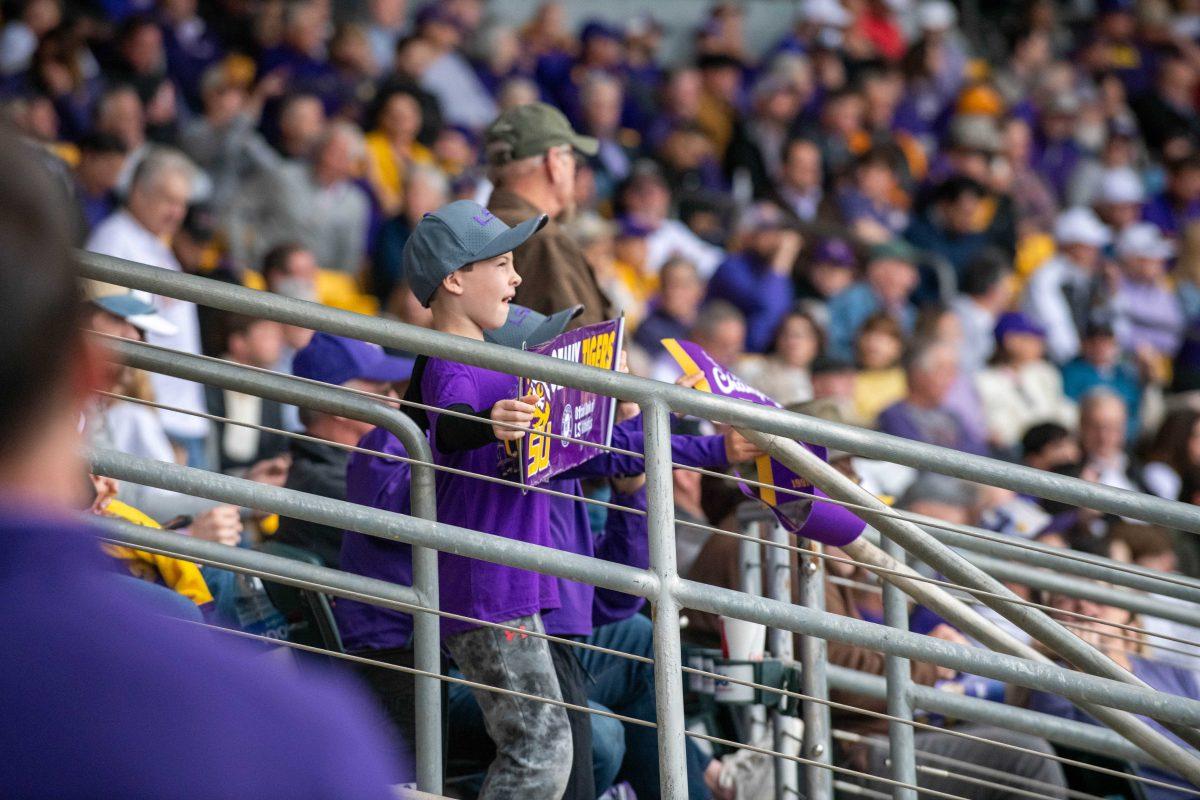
x=485 y=290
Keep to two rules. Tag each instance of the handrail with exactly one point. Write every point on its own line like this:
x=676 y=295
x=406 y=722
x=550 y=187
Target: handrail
x=851 y=439
x=474 y=544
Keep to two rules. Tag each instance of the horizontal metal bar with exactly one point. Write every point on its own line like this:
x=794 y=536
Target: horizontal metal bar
x=701 y=404
x=642 y=583
x=278 y=569
x=1080 y=735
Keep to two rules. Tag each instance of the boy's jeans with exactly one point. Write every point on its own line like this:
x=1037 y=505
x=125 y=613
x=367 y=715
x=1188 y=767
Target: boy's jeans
x=533 y=739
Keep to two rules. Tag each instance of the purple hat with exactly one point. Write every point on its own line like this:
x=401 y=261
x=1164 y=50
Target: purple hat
x=1017 y=322
x=600 y=29
x=835 y=252
x=337 y=359
x=434 y=13
x=631 y=227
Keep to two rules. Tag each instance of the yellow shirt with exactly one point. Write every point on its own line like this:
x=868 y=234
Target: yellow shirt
x=385 y=169
x=180 y=576
x=876 y=389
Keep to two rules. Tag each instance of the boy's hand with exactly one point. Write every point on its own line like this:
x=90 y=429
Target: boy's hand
x=738 y=448
x=222 y=525
x=690 y=380
x=513 y=412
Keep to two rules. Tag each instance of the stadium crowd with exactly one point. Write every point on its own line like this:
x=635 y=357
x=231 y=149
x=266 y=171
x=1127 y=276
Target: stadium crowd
x=988 y=242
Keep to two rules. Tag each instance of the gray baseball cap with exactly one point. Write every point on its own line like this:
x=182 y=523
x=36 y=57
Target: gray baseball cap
x=528 y=328
x=455 y=235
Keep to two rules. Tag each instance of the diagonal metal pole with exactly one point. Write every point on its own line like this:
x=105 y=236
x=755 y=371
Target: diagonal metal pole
x=956 y=568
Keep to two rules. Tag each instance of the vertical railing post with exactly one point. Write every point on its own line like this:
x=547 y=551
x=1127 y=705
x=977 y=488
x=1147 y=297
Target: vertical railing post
x=818 y=742
x=427 y=638
x=750 y=721
x=899 y=679
x=668 y=666
x=783 y=726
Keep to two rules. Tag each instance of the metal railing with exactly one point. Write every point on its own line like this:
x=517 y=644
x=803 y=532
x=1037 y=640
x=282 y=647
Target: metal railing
x=1110 y=694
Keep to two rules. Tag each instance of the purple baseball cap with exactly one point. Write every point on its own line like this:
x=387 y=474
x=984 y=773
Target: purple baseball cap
x=1018 y=322
x=836 y=252
x=337 y=359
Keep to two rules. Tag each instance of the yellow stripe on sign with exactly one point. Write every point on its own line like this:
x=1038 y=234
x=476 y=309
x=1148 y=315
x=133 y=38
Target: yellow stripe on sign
x=686 y=363
x=766 y=474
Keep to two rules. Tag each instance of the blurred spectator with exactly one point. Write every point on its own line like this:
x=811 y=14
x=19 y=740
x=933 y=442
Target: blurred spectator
x=1034 y=200
x=314 y=202
x=191 y=46
x=21 y=33
x=385 y=24
x=986 y=291
x=301 y=121
x=932 y=368
x=394 y=122
x=758 y=279
x=531 y=156
x=890 y=280
x=674 y=309
x=449 y=76
x=601 y=96
x=1102 y=437
x=320 y=467
x=1049 y=446
x=720 y=329
x=799 y=186
x=1174 y=451
x=880 y=381
x=1148 y=315
x=1167 y=113
x=1056 y=153
x=1066 y=290
x=956 y=225
x=255 y=343
x=1020 y=388
x=1120 y=152
x=1100 y=364
x=830 y=271
x=152 y=214
x=1179 y=203
x=783 y=372
x=1120 y=199
x=302 y=53
x=425 y=190
x=101 y=161
x=646 y=197
x=868 y=205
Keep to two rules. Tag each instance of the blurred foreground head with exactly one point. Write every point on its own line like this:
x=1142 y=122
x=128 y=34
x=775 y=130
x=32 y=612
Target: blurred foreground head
x=45 y=369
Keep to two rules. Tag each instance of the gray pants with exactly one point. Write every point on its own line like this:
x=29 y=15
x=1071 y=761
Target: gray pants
x=533 y=739
x=1011 y=762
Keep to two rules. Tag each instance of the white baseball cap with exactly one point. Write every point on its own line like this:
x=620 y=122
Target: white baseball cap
x=936 y=15
x=1121 y=185
x=136 y=308
x=1080 y=225
x=1144 y=240
x=826 y=13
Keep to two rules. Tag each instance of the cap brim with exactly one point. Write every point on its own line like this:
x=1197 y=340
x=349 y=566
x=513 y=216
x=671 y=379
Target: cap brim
x=137 y=312
x=588 y=145
x=153 y=323
x=512 y=238
x=554 y=325
x=389 y=369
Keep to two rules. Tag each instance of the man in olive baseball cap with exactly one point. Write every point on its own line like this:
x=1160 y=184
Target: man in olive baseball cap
x=531 y=153
x=531 y=130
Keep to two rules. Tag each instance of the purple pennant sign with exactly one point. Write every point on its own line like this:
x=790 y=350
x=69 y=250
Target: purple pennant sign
x=823 y=522
x=570 y=412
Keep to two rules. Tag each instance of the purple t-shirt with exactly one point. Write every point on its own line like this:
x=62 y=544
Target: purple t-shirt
x=103 y=698
x=491 y=592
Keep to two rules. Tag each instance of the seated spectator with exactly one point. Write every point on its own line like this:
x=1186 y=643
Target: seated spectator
x=951 y=227
x=1102 y=437
x=1120 y=199
x=255 y=343
x=758 y=278
x=449 y=77
x=868 y=206
x=798 y=188
x=986 y=290
x=646 y=197
x=720 y=329
x=301 y=54
x=101 y=162
x=1174 y=450
x=630 y=248
x=1148 y=315
x=890 y=280
x=880 y=381
x=602 y=97
x=1179 y=203
x=783 y=372
x=834 y=380
x=674 y=309
x=1034 y=202
x=1020 y=388
x=625 y=286
x=394 y=122
x=425 y=190
x=1101 y=364
x=932 y=368
x=1118 y=155
x=319 y=468
x=1049 y=446
x=831 y=270
x=314 y=202
x=301 y=120
x=1066 y=291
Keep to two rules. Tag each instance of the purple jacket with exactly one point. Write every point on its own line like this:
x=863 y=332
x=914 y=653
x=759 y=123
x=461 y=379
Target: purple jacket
x=934 y=426
x=383 y=483
x=103 y=698
x=761 y=294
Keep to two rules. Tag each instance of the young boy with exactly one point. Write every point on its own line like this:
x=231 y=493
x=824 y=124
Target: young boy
x=459 y=264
